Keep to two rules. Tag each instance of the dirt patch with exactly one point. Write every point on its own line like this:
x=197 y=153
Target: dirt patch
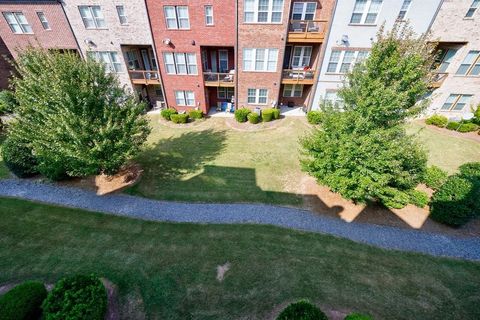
x=112 y=295
x=132 y=307
x=247 y=126
x=221 y=270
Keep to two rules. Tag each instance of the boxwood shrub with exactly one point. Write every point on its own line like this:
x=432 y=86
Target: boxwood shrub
x=195 y=114
x=253 y=117
x=167 y=113
x=276 y=113
x=418 y=198
x=315 y=117
x=76 y=297
x=437 y=120
x=467 y=127
x=470 y=170
x=435 y=177
x=453 y=125
x=18 y=157
x=179 y=118
x=357 y=316
x=267 y=115
x=23 y=302
x=302 y=310
x=241 y=114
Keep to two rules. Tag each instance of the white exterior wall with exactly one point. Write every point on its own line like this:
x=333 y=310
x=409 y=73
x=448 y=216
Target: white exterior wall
x=452 y=26
x=137 y=32
x=420 y=15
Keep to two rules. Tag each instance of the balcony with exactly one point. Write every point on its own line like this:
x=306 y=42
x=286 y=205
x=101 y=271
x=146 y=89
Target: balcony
x=437 y=79
x=307 y=30
x=214 y=79
x=298 y=76
x=144 y=77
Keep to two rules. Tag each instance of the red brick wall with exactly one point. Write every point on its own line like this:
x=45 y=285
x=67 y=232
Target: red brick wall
x=60 y=36
x=5 y=66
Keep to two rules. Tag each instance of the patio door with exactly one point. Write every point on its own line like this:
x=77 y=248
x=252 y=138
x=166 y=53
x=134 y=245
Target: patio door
x=223 y=60
x=146 y=59
x=213 y=59
x=287 y=57
x=301 y=57
x=304 y=10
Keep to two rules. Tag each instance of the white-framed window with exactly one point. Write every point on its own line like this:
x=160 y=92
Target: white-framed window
x=260 y=60
x=443 y=59
x=366 y=11
x=109 y=59
x=223 y=60
x=471 y=64
x=209 y=15
x=342 y=61
x=132 y=60
x=301 y=56
x=185 y=98
x=293 y=90
x=404 y=9
x=17 y=22
x=331 y=98
x=177 y=17
x=225 y=93
x=257 y=96
x=180 y=63
x=263 y=11
x=304 y=10
x=456 y=102
x=92 y=17
x=473 y=8
x=122 y=16
x=43 y=20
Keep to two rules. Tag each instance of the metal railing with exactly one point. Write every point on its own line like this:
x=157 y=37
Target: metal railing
x=308 y=26
x=219 y=78
x=438 y=78
x=298 y=75
x=151 y=76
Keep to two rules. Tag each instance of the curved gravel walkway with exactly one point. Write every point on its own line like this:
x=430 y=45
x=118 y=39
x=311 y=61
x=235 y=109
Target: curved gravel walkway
x=136 y=207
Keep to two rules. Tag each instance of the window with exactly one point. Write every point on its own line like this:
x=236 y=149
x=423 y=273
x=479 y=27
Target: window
x=225 y=93
x=332 y=99
x=122 y=16
x=443 y=59
x=456 y=102
x=17 y=22
x=92 y=17
x=293 y=90
x=132 y=60
x=223 y=60
x=185 y=98
x=43 y=20
x=108 y=58
x=209 y=15
x=263 y=11
x=366 y=11
x=342 y=61
x=301 y=57
x=257 y=96
x=403 y=10
x=260 y=60
x=180 y=63
x=472 y=9
x=177 y=17
x=304 y=10
x=471 y=64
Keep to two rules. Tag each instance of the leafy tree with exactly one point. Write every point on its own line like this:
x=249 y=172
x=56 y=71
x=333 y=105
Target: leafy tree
x=363 y=151
x=77 y=118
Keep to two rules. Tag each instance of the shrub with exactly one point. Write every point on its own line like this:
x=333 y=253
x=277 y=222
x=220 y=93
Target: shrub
x=267 y=115
x=8 y=102
x=476 y=116
x=470 y=170
x=437 y=120
x=394 y=198
x=302 y=310
x=167 y=113
x=435 y=177
x=453 y=125
x=315 y=117
x=276 y=114
x=195 y=114
x=179 y=118
x=241 y=114
x=76 y=297
x=23 y=302
x=253 y=117
x=467 y=127
x=357 y=316
x=18 y=157
x=418 y=198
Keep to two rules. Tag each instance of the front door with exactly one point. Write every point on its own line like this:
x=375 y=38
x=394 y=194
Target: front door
x=301 y=57
x=304 y=10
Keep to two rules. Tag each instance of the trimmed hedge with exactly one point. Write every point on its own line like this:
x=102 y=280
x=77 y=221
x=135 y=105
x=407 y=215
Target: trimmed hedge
x=179 y=118
x=435 y=177
x=471 y=169
x=18 y=158
x=241 y=114
x=267 y=115
x=315 y=117
x=76 y=297
x=302 y=310
x=253 y=118
x=453 y=125
x=357 y=316
x=195 y=114
x=276 y=113
x=167 y=113
x=437 y=120
x=467 y=127
x=23 y=302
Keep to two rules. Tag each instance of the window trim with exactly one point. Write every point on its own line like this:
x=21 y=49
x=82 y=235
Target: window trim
x=257 y=96
x=94 y=19
x=185 y=98
x=175 y=63
x=111 y=62
x=206 y=15
x=41 y=13
x=476 y=61
x=304 y=10
x=365 y=12
x=472 y=8
x=255 y=12
x=253 y=59
x=294 y=87
x=406 y=11
x=337 y=102
x=124 y=15
x=226 y=93
x=14 y=14
x=340 y=61
x=455 y=102
x=177 y=19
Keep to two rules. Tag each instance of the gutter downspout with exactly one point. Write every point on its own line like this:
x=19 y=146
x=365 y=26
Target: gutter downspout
x=285 y=42
x=235 y=49
x=61 y=2
x=435 y=16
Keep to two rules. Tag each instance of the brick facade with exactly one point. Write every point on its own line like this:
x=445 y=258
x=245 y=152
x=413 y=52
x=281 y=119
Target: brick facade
x=5 y=66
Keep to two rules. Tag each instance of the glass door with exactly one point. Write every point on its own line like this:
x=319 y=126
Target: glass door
x=301 y=57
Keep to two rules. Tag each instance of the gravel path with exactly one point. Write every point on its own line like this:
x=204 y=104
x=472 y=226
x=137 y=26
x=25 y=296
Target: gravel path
x=136 y=207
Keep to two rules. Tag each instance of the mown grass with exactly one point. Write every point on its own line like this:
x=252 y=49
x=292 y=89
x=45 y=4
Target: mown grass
x=168 y=271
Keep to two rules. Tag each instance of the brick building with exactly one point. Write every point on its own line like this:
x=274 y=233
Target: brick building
x=5 y=66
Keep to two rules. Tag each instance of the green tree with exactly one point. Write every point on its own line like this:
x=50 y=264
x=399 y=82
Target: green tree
x=362 y=151
x=76 y=117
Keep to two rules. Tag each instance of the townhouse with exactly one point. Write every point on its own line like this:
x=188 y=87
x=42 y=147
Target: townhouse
x=354 y=28
x=456 y=31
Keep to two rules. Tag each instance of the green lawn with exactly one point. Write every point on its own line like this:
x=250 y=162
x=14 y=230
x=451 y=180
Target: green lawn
x=168 y=271
x=4 y=173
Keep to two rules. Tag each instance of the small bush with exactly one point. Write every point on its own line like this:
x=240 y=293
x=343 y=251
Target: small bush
x=23 y=302
x=453 y=125
x=418 y=198
x=470 y=170
x=315 y=117
x=8 y=103
x=267 y=115
x=435 y=177
x=167 y=113
x=253 y=117
x=437 y=120
x=476 y=116
x=18 y=157
x=179 y=118
x=467 y=127
x=302 y=310
x=76 y=297
x=393 y=198
x=195 y=114
x=357 y=316
x=241 y=114
x=276 y=114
